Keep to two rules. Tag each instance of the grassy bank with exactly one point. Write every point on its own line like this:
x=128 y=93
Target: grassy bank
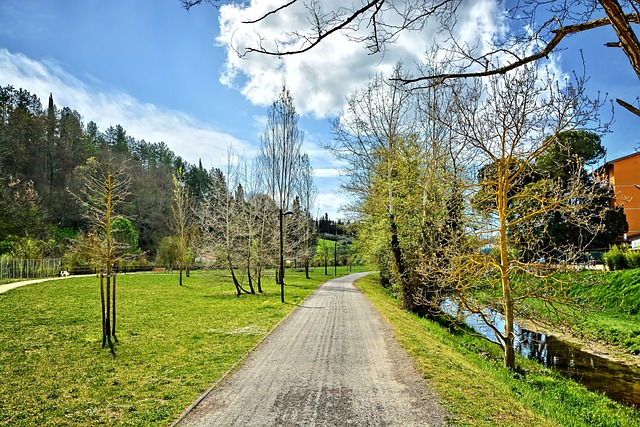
x=174 y=342
x=615 y=318
x=468 y=375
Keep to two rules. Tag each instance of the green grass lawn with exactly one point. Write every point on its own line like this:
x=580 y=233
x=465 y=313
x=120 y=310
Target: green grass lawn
x=467 y=373
x=174 y=342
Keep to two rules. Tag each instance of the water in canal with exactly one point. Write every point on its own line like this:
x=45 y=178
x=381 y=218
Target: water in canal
x=618 y=381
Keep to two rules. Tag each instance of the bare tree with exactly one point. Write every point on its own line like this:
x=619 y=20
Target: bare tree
x=182 y=223
x=305 y=227
x=221 y=223
x=262 y=226
x=279 y=158
x=507 y=125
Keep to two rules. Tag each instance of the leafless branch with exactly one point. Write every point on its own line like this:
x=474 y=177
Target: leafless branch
x=560 y=34
x=319 y=37
x=272 y=12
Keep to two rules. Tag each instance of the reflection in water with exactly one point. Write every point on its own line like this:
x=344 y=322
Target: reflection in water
x=620 y=382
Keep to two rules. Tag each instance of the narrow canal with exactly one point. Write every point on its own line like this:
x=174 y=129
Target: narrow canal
x=618 y=381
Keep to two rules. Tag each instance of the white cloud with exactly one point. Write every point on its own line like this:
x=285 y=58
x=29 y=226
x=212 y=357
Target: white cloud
x=188 y=138
x=326 y=173
x=331 y=203
x=321 y=78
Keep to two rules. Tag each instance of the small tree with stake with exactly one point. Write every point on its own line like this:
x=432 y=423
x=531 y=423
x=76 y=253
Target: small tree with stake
x=105 y=189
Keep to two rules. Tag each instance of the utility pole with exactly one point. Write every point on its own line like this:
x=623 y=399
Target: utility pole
x=280 y=275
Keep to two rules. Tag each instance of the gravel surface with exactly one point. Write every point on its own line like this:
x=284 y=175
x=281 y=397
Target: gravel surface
x=333 y=362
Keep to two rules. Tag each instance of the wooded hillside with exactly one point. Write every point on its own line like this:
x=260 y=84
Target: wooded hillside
x=42 y=151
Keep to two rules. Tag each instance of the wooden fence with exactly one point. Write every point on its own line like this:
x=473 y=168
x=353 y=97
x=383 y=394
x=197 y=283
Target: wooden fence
x=29 y=268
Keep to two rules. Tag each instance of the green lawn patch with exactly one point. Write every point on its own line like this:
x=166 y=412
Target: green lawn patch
x=468 y=375
x=174 y=342
x=614 y=317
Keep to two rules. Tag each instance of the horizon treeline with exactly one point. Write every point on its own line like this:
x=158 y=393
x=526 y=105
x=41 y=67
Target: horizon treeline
x=44 y=152
x=41 y=150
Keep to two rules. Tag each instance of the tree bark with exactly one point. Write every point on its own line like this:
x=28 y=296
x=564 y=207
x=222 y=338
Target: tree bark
x=239 y=288
x=251 y=288
x=108 y=310
x=113 y=320
x=104 y=317
x=502 y=202
x=628 y=39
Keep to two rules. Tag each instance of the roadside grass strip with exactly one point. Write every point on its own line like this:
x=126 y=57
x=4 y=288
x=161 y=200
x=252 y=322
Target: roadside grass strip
x=468 y=374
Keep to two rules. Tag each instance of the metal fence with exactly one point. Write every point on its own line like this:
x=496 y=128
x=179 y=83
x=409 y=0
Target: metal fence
x=29 y=268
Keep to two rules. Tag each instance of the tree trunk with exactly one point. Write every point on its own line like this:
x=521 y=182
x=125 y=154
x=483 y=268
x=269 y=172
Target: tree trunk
x=502 y=200
x=108 y=311
x=407 y=286
x=509 y=340
x=239 y=288
x=113 y=320
x=628 y=39
x=395 y=245
x=249 y=275
x=104 y=317
x=235 y=281
x=306 y=268
x=251 y=289
x=180 y=269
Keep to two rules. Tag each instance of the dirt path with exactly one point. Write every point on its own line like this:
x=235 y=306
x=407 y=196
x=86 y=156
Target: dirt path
x=333 y=362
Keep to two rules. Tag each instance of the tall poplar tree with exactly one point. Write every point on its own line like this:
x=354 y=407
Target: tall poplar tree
x=279 y=156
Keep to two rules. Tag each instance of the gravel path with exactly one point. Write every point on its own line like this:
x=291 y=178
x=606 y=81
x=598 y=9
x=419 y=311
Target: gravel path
x=333 y=362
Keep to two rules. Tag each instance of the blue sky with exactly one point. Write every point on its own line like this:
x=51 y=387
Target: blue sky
x=147 y=65
x=164 y=74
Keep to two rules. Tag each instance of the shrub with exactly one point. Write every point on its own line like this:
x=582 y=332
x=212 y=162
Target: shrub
x=632 y=258
x=615 y=258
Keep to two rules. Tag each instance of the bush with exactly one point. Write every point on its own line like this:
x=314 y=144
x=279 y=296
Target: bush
x=620 y=258
x=632 y=259
x=615 y=258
